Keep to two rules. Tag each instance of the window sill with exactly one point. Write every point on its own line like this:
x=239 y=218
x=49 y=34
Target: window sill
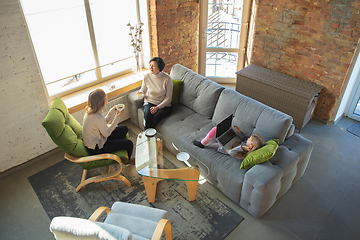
x=77 y=101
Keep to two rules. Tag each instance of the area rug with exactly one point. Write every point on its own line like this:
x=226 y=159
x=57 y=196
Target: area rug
x=205 y=218
x=355 y=129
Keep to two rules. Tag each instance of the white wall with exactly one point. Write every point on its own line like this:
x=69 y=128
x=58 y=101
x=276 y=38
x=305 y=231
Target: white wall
x=350 y=89
x=22 y=95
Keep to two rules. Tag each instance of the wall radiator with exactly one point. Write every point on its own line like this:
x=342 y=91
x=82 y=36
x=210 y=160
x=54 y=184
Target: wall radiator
x=117 y=100
x=114 y=101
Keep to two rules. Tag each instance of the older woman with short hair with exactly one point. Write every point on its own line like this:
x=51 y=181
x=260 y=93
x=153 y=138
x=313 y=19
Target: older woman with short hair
x=157 y=88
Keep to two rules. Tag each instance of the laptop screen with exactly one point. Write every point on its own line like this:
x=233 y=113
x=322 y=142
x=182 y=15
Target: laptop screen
x=223 y=126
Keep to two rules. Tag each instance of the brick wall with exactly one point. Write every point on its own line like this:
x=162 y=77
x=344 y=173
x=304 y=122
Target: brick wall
x=23 y=100
x=174 y=29
x=311 y=40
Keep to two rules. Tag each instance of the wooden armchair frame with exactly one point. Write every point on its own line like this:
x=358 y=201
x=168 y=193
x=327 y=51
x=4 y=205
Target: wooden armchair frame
x=163 y=225
x=104 y=177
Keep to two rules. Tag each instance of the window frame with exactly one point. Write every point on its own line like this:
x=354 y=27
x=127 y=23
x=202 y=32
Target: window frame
x=142 y=15
x=240 y=49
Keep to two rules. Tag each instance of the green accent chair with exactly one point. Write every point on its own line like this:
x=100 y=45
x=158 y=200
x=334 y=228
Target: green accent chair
x=66 y=133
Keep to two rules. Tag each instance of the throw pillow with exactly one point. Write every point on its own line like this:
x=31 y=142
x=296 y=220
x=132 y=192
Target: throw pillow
x=177 y=85
x=260 y=155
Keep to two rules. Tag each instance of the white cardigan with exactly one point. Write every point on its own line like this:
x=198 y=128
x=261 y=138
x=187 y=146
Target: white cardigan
x=96 y=128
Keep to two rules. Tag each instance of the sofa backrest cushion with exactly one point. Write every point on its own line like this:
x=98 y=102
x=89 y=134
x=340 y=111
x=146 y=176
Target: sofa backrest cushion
x=198 y=92
x=252 y=117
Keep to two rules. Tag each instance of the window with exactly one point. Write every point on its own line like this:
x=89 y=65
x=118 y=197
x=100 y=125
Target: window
x=82 y=42
x=224 y=25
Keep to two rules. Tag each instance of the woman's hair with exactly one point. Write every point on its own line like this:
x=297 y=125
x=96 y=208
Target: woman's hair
x=256 y=142
x=159 y=61
x=96 y=101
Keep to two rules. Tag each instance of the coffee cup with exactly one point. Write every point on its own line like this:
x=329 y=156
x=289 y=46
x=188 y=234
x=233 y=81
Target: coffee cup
x=140 y=95
x=120 y=106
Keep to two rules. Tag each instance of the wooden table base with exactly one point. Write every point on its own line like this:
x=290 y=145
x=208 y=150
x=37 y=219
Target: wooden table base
x=184 y=174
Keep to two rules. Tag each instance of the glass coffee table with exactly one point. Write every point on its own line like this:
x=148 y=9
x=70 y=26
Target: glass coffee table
x=152 y=165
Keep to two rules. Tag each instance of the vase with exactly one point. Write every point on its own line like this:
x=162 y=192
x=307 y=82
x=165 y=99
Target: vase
x=137 y=64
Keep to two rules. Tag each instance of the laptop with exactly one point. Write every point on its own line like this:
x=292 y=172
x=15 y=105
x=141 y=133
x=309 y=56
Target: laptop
x=225 y=135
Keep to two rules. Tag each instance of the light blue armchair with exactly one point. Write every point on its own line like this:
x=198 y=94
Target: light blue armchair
x=125 y=221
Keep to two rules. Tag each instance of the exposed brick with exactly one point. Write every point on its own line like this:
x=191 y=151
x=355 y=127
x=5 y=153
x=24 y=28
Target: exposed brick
x=316 y=16
x=317 y=40
x=355 y=34
x=177 y=21
x=334 y=24
x=345 y=33
x=318 y=57
x=310 y=76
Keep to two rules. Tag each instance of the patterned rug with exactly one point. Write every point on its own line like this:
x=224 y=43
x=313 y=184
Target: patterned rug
x=205 y=218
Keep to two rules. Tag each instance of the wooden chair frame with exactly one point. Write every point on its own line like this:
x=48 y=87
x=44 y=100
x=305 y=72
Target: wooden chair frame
x=163 y=225
x=104 y=177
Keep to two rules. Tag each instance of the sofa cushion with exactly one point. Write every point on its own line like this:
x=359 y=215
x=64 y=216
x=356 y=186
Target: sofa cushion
x=177 y=86
x=225 y=173
x=140 y=220
x=198 y=93
x=252 y=117
x=181 y=122
x=260 y=155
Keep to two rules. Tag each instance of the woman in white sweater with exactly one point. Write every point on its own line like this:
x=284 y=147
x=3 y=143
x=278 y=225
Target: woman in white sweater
x=157 y=88
x=101 y=133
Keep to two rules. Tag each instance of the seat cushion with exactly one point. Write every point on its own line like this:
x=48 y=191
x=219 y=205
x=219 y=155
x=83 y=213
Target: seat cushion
x=138 y=219
x=122 y=154
x=69 y=228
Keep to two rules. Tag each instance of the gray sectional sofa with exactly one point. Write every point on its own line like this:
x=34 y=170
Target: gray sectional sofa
x=203 y=104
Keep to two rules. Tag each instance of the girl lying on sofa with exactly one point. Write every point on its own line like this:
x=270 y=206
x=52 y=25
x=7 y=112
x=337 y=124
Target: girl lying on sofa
x=239 y=149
